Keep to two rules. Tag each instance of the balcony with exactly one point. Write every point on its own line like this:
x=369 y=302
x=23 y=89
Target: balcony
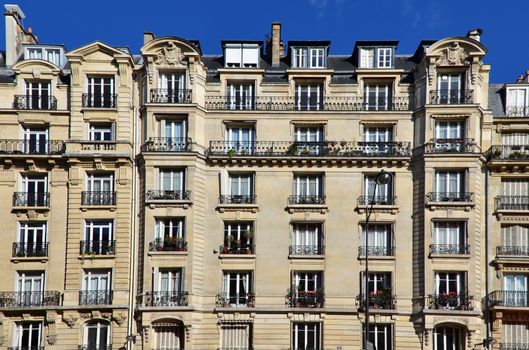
x=29 y=299
x=376 y=251
x=450 y=301
x=449 y=197
x=167 y=144
x=100 y=100
x=509 y=298
x=326 y=103
x=166 y=298
x=237 y=249
x=306 y=200
x=449 y=249
x=98 y=198
x=376 y=200
x=163 y=195
x=92 y=347
x=224 y=299
x=33 y=147
x=169 y=244
x=170 y=96
x=305 y=299
x=31 y=199
x=509 y=152
x=35 y=102
x=514 y=346
x=237 y=199
x=30 y=249
x=104 y=247
x=451 y=97
x=306 y=250
x=517 y=111
x=95 y=297
x=513 y=250
x=380 y=300
x=512 y=203
x=36 y=347
x=443 y=146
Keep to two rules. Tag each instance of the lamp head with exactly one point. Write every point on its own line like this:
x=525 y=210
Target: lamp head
x=383 y=178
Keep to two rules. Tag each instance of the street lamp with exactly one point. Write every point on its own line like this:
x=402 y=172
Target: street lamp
x=382 y=178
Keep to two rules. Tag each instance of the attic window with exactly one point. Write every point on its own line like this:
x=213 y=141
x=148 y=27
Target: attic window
x=49 y=54
x=305 y=57
x=376 y=57
x=241 y=55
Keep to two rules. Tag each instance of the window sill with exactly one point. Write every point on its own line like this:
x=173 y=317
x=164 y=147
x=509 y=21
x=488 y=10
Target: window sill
x=99 y=109
x=169 y=253
x=181 y=203
x=28 y=208
x=322 y=208
x=254 y=208
x=236 y=256
x=301 y=257
x=377 y=257
x=450 y=256
x=391 y=209
x=441 y=205
x=96 y=257
x=100 y=207
x=17 y=259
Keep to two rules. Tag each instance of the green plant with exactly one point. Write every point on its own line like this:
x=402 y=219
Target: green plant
x=231 y=152
x=229 y=239
x=293 y=149
x=248 y=234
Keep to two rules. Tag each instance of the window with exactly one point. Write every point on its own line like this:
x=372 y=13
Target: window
x=514 y=240
x=306 y=336
x=515 y=289
x=34 y=54
x=449 y=237
x=49 y=54
x=514 y=333
x=307 y=289
x=377 y=194
x=171 y=88
x=169 y=288
x=308 y=189
x=236 y=335
x=98 y=238
x=377 y=139
x=27 y=335
x=380 y=57
x=517 y=102
x=101 y=131
x=54 y=56
x=172 y=180
x=173 y=135
x=450 y=185
x=240 y=139
x=514 y=139
x=309 y=96
x=33 y=191
x=38 y=94
x=36 y=140
x=308 y=140
x=241 y=189
x=309 y=57
x=168 y=335
x=99 y=190
x=378 y=97
x=450 y=290
x=240 y=95
x=243 y=55
x=100 y=92
x=448 y=338
x=96 y=287
x=450 y=129
x=384 y=58
x=515 y=187
x=238 y=238
x=307 y=281
x=450 y=89
x=300 y=57
x=96 y=335
x=317 y=58
x=307 y=239
x=381 y=336
x=379 y=290
x=367 y=58
x=237 y=287
x=379 y=240
x=169 y=234
x=30 y=288
x=31 y=239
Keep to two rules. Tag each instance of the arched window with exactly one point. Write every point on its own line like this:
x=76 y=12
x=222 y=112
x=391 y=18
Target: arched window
x=168 y=335
x=448 y=338
x=96 y=336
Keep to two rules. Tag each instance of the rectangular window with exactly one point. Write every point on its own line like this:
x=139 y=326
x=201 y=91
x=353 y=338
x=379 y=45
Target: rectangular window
x=169 y=235
x=307 y=336
x=38 y=94
x=449 y=237
x=515 y=289
x=308 y=188
x=308 y=140
x=517 y=102
x=317 y=58
x=237 y=287
x=450 y=89
x=238 y=238
x=168 y=335
x=515 y=187
x=308 y=96
x=98 y=238
x=96 y=287
x=384 y=58
x=379 y=240
x=377 y=139
x=307 y=281
x=31 y=239
x=450 y=184
x=54 y=56
x=241 y=55
x=377 y=194
x=240 y=139
x=34 y=54
x=171 y=88
x=236 y=336
x=28 y=335
x=172 y=180
x=300 y=57
x=101 y=131
x=96 y=335
x=99 y=190
x=367 y=58
x=100 y=92
x=378 y=97
x=451 y=290
x=450 y=129
x=515 y=240
x=377 y=283
x=33 y=191
x=169 y=280
x=307 y=239
x=36 y=140
x=381 y=336
x=241 y=187
x=515 y=334
x=30 y=288
x=448 y=338
x=240 y=95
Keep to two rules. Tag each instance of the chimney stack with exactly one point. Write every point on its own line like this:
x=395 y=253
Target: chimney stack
x=475 y=34
x=14 y=29
x=147 y=36
x=523 y=78
x=277 y=45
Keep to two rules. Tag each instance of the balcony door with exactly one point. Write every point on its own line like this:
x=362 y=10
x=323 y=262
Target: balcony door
x=307 y=237
x=308 y=186
x=450 y=184
x=379 y=240
x=449 y=287
x=515 y=239
x=37 y=94
x=448 y=338
x=100 y=183
x=172 y=87
x=309 y=139
x=96 y=336
x=378 y=97
x=28 y=335
x=451 y=88
x=98 y=237
x=173 y=133
x=306 y=336
x=236 y=287
x=515 y=289
x=172 y=180
x=377 y=194
x=241 y=96
x=377 y=283
x=96 y=285
x=381 y=336
x=34 y=189
x=30 y=288
x=31 y=238
x=309 y=96
x=449 y=237
x=307 y=281
x=36 y=140
x=241 y=187
x=169 y=283
x=240 y=139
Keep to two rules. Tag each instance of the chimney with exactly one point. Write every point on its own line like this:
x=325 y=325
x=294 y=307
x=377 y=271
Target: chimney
x=475 y=34
x=277 y=45
x=15 y=33
x=523 y=78
x=147 y=36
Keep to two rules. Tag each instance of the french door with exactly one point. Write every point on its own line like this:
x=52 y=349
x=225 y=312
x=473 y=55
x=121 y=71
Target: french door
x=32 y=239
x=309 y=97
x=306 y=336
x=30 y=288
x=35 y=189
x=172 y=87
x=449 y=287
x=169 y=288
x=377 y=193
x=36 y=140
x=379 y=240
x=307 y=238
x=448 y=338
x=96 y=336
x=515 y=289
x=96 y=287
x=241 y=96
x=174 y=134
x=99 y=237
x=309 y=140
x=100 y=92
x=237 y=285
x=240 y=139
x=451 y=88
x=37 y=94
x=172 y=180
x=378 y=97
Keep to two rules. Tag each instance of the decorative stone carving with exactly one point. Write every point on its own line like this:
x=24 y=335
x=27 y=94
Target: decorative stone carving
x=427 y=332
x=146 y=333
x=85 y=315
x=170 y=55
x=70 y=320
x=119 y=318
x=453 y=55
x=470 y=333
x=188 y=332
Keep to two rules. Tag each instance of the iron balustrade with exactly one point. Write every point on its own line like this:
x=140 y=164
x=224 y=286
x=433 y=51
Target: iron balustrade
x=386 y=250
x=237 y=248
x=166 y=298
x=168 y=195
x=30 y=249
x=381 y=299
x=305 y=299
x=167 y=144
x=509 y=152
x=100 y=100
x=450 y=301
x=95 y=347
x=98 y=198
x=445 y=97
x=450 y=146
x=98 y=145
x=168 y=244
x=33 y=347
x=442 y=249
x=95 y=297
x=14 y=146
x=511 y=202
x=514 y=346
x=237 y=348
x=224 y=299
x=29 y=299
x=306 y=249
x=339 y=149
x=376 y=200
x=170 y=96
x=509 y=298
x=517 y=111
x=31 y=199
x=237 y=199
x=512 y=250
x=449 y=196
x=103 y=247
x=35 y=102
x=323 y=103
x=306 y=199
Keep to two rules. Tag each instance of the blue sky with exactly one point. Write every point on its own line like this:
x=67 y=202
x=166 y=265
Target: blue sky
x=118 y=22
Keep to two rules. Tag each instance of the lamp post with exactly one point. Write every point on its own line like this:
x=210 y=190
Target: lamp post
x=382 y=178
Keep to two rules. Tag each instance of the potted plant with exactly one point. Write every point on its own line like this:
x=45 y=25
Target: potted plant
x=180 y=244
x=158 y=244
x=293 y=149
x=231 y=152
x=228 y=241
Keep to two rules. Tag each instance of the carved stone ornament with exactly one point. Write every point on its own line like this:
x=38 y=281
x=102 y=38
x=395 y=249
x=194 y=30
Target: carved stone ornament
x=119 y=318
x=146 y=333
x=70 y=320
x=52 y=339
x=453 y=55
x=170 y=55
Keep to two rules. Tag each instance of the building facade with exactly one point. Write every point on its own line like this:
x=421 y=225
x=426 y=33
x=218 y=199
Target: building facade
x=176 y=200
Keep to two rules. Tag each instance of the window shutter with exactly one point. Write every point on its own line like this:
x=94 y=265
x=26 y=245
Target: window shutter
x=224 y=179
x=113 y=135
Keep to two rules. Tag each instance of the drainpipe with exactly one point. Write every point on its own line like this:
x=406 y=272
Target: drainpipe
x=488 y=317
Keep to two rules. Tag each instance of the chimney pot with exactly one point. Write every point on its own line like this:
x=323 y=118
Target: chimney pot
x=475 y=34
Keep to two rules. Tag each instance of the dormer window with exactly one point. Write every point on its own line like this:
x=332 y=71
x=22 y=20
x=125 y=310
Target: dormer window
x=376 y=57
x=517 y=101
x=308 y=57
x=241 y=55
x=50 y=54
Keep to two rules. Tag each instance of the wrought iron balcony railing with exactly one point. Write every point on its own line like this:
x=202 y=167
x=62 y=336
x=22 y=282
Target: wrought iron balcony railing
x=237 y=248
x=35 y=102
x=451 y=146
x=49 y=147
x=170 y=96
x=512 y=203
x=449 y=196
x=224 y=299
x=517 y=111
x=166 y=298
x=98 y=198
x=237 y=199
x=509 y=152
x=333 y=149
x=30 y=249
x=514 y=346
x=306 y=199
x=31 y=199
x=167 y=144
x=305 y=249
x=386 y=250
x=451 y=97
x=100 y=100
x=382 y=299
x=32 y=347
x=169 y=244
x=324 y=103
x=95 y=297
x=509 y=298
x=450 y=301
x=105 y=247
x=168 y=195
x=305 y=299
x=443 y=249
x=29 y=299
x=95 y=347
x=512 y=250
x=376 y=200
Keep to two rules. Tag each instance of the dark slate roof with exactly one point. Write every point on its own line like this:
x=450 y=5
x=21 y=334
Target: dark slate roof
x=275 y=78
x=7 y=76
x=341 y=63
x=497 y=100
x=404 y=62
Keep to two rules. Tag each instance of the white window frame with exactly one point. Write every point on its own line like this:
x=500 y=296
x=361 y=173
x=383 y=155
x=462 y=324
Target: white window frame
x=301 y=57
x=387 y=330
x=98 y=325
x=448 y=128
x=307 y=234
x=174 y=280
x=455 y=334
x=304 y=280
x=173 y=172
x=384 y=57
x=310 y=88
x=26 y=229
x=299 y=179
x=237 y=230
x=238 y=177
x=33 y=277
x=240 y=95
x=449 y=232
x=100 y=275
x=241 y=278
x=317 y=57
x=382 y=96
x=174 y=225
x=367 y=57
x=95 y=228
x=102 y=129
x=18 y=334
x=102 y=179
x=297 y=332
